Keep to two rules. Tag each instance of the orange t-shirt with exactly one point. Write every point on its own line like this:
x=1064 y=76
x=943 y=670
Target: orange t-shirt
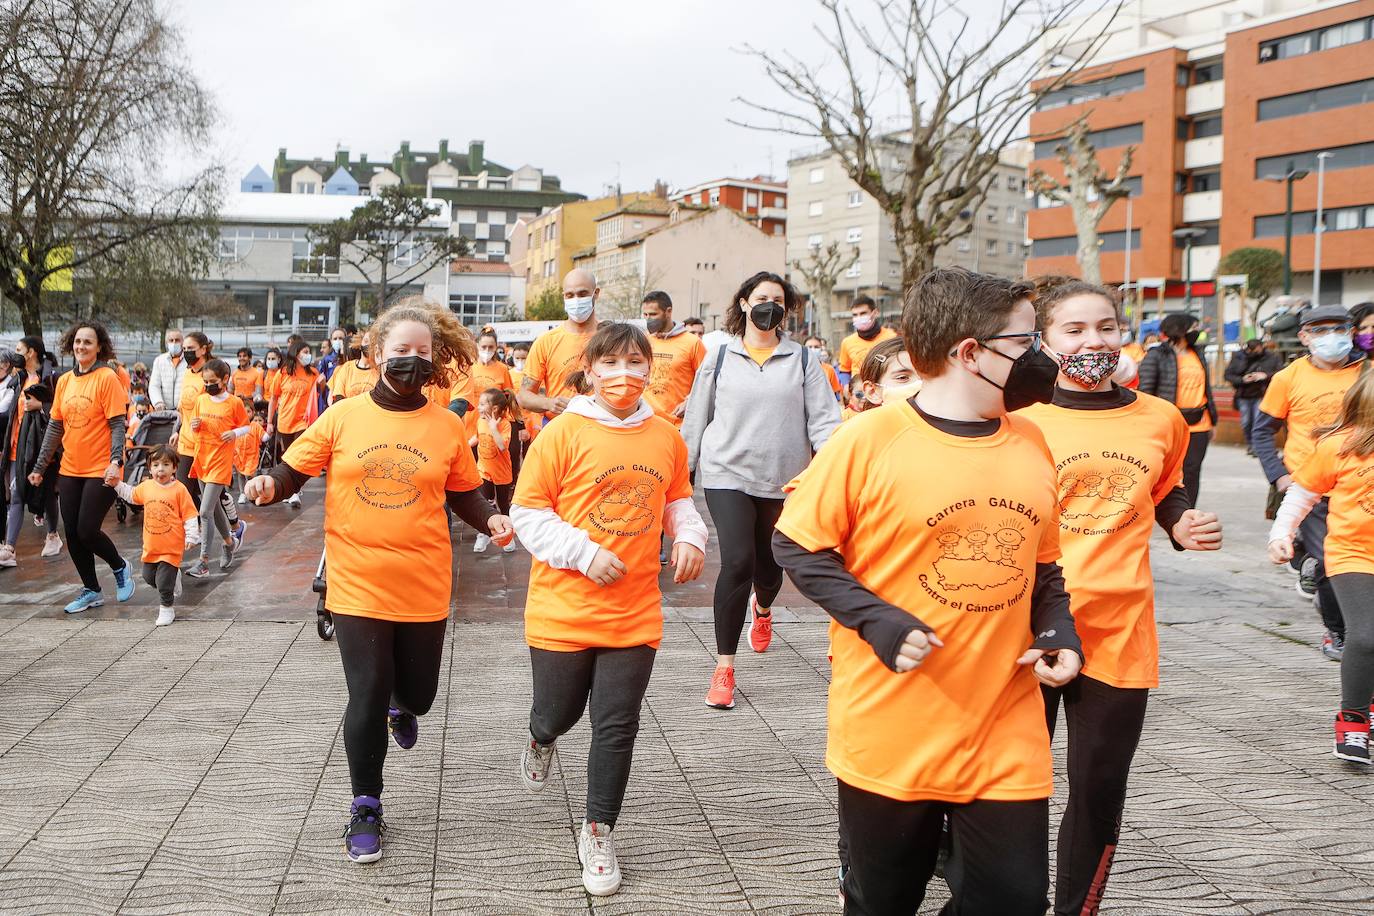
x=85 y=404
x=554 y=356
x=293 y=394
x=533 y=420
x=248 y=449
x=1308 y=398
x=1114 y=467
x=493 y=463
x=165 y=511
x=460 y=388
x=832 y=377
x=1349 y=481
x=351 y=380
x=268 y=377
x=854 y=348
x=386 y=538
x=676 y=361
x=244 y=383
x=961 y=556
x=1192 y=388
x=214 y=459
x=849 y=413
x=613 y=484
x=192 y=387
x=494 y=374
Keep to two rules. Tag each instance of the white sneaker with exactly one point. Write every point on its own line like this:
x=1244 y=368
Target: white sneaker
x=243 y=499
x=596 y=851
x=52 y=545
x=7 y=556
x=480 y=545
x=294 y=501
x=535 y=761
x=509 y=548
x=165 y=615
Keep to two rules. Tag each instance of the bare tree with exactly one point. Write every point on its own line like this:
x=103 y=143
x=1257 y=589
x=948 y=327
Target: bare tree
x=623 y=293
x=966 y=97
x=821 y=270
x=95 y=97
x=388 y=239
x=1087 y=189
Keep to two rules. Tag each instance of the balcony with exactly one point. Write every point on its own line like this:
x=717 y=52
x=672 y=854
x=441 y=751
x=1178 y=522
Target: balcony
x=1198 y=154
x=1202 y=206
x=1205 y=260
x=773 y=213
x=1205 y=97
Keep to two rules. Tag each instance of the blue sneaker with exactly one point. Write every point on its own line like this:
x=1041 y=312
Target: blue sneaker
x=405 y=728
x=124 y=582
x=237 y=534
x=363 y=836
x=88 y=599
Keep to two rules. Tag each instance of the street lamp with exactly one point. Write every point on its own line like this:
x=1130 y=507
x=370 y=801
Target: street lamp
x=1319 y=229
x=1186 y=235
x=1288 y=178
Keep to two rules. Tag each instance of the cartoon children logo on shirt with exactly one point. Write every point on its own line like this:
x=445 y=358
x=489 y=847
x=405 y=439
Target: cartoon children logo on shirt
x=1092 y=494
x=623 y=508
x=1366 y=498
x=78 y=411
x=979 y=558
x=661 y=374
x=159 y=517
x=985 y=558
x=386 y=479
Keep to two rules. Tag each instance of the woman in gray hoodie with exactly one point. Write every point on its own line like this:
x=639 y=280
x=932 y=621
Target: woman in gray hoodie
x=760 y=408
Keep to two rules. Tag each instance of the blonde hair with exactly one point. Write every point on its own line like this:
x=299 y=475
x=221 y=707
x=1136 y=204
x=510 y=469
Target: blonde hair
x=454 y=349
x=1356 y=419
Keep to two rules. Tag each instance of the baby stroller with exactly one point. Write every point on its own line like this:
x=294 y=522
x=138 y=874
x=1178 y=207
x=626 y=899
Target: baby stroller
x=324 y=621
x=156 y=428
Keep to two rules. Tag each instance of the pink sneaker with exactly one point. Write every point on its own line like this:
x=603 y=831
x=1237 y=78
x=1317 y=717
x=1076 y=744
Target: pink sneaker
x=760 y=626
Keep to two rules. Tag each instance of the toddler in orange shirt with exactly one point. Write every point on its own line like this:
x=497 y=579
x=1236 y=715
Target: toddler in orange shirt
x=169 y=526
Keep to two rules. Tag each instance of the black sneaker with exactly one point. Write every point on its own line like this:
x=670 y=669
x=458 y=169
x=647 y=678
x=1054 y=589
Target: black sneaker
x=1352 y=737
x=1307 y=578
x=1333 y=646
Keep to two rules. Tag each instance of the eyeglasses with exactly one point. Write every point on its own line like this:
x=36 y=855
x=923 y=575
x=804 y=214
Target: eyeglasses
x=1033 y=335
x=1321 y=330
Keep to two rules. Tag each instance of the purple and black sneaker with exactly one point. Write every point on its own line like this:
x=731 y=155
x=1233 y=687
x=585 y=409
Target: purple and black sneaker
x=405 y=728
x=363 y=837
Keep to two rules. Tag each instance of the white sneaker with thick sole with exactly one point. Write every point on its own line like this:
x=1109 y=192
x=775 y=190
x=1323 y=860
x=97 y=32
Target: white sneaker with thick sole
x=294 y=501
x=535 y=762
x=596 y=851
x=243 y=499
x=165 y=615
x=7 y=558
x=52 y=546
x=480 y=545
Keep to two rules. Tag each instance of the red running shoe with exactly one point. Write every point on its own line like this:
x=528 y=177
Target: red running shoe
x=760 y=626
x=722 y=692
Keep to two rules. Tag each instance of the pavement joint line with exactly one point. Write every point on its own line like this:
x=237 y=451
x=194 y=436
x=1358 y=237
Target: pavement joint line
x=696 y=800
x=1277 y=635
x=85 y=624
x=305 y=818
x=439 y=788
x=190 y=796
x=118 y=744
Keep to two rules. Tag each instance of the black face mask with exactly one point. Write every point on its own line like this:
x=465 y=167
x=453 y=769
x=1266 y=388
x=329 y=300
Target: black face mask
x=767 y=315
x=213 y=388
x=355 y=352
x=656 y=325
x=408 y=374
x=1191 y=337
x=1030 y=381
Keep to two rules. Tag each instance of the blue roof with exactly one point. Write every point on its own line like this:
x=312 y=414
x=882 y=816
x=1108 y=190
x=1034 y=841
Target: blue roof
x=341 y=183
x=257 y=182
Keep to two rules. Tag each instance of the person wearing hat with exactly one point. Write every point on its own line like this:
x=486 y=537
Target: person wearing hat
x=1177 y=372
x=1307 y=395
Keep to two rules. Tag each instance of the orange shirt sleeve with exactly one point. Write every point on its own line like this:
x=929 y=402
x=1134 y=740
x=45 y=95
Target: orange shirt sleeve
x=537 y=363
x=846 y=360
x=1318 y=472
x=545 y=464
x=832 y=377
x=819 y=513
x=698 y=354
x=462 y=470
x=1172 y=477
x=1275 y=401
x=680 y=486
x=310 y=453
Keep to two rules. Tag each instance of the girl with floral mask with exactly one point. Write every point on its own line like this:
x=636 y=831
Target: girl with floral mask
x=1120 y=458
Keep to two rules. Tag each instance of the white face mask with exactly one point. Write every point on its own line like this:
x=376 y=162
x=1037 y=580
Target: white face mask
x=174 y=348
x=520 y=364
x=486 y=356
x=305 y=358
x=273 y=363
x=580 y=308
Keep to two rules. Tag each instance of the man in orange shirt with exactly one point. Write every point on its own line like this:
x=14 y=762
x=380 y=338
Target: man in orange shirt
x=865 y=537
x=247 y=379
x=677 y=357
x=557 y=354
x=868 y=333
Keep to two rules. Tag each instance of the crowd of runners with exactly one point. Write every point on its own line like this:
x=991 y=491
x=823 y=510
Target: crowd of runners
x=970 y=495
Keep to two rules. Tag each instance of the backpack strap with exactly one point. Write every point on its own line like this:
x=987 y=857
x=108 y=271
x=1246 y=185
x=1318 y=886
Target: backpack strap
x=715 y=381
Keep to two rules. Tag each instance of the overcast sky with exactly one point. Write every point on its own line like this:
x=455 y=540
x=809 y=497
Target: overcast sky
x=587 y=91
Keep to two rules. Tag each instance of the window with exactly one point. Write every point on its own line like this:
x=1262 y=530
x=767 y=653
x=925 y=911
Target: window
x=1211 y=235
x=854 y=235
x=235 y=242
x=1357 y=155
x=751 y=199
x=1324 y=39
x=992 y=183
x=1207 y=127
x=1012 y=215
x=992 y=248
x=496 y=248
x=818 y=175
x=305 y=187
x=1068 y=244
x=308 y=258
x=1094 y=89
x=715 y=197
x=409 y=252
x=777 y=229
x=964 y=244
x=1343 y=219
x=815 y=241
x=1011 y=249
x=816 y=208
x=1324 y=99
x=854 y=270
x=991 y=213
x=1182 y=129
x=856 y=198
x=475 y=310
x=1206 y=181
x=1013 y=183
x=1207 y=73
x=1101 y=139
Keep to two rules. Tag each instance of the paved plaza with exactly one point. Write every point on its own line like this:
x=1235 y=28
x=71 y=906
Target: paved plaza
x=200 y=768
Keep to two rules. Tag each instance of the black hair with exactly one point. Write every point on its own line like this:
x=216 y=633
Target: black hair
x=245 y=351
x=693 y=320
x=1176 y=325
x=292 y=352
x=659 y=298
x=104 y=348
x=735 y=319
x=35 y=345
x=863 y=299
x=217 y=366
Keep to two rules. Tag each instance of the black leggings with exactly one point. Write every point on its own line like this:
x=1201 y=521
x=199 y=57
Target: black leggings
x=1312 y=538
x=385 y=664
x=1104 y=729
x=1356 y=591
x=500 y=494
x=744 y=530
x=1192 y=464
x=999 y=865
x=615 y=681
x=84 y=502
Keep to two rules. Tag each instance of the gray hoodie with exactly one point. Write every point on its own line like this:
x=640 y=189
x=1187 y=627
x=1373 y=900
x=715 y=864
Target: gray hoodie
x=768 y=420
